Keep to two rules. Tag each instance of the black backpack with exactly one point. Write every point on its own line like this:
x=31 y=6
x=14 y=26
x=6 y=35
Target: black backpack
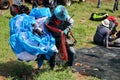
x=15 y=9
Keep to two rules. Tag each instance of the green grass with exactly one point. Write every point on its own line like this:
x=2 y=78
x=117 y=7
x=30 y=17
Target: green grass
x=83 y=30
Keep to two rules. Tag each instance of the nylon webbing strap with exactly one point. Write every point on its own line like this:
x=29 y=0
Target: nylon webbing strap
x=62 y=50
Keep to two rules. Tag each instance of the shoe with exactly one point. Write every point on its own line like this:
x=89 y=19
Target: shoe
x=52 y=65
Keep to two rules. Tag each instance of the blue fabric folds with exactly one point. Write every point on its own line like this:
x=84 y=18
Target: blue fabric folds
x=27 y=45
x=40 y=12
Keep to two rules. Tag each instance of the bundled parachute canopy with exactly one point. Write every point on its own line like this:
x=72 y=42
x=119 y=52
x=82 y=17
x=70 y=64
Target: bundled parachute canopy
x=27 y=45
x=21 y=23
x=40 y=12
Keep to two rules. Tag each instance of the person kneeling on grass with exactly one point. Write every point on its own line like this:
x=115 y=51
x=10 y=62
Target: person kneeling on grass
x=104 y=32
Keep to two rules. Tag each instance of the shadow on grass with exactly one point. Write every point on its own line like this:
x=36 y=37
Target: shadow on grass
x=109 y=10
x=118 y=16
x=20 y=70
x=8 y=17
x=17 y=70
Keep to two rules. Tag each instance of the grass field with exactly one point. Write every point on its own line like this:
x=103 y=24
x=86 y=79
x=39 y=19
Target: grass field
x=83 y=30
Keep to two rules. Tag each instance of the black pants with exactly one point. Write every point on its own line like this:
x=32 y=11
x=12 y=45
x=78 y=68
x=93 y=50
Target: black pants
x=52 y=62
x=98 y=4
x=70 y=50
x=99 y=43
x=71 y=54
x=115 y=7
x=40 y=59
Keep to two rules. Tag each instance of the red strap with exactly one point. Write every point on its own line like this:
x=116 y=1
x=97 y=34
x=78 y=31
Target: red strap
x=62 y=50
x=53 y=29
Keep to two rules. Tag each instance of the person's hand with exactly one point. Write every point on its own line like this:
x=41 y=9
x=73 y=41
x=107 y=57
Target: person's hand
x=66 y=31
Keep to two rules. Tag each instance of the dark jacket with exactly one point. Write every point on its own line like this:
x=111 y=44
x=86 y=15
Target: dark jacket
x=62 y=26
x=102 y=35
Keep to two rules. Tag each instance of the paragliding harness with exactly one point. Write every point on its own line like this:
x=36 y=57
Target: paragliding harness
x=15 y=9
x=62 y=49
x=98 y=16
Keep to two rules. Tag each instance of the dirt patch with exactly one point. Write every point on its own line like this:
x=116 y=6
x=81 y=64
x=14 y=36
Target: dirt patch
x=99 y=62
x=79 y=76
x=2 y=78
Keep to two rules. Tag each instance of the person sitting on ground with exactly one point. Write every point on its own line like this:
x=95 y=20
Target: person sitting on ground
x=104 y=32
x=61 y=23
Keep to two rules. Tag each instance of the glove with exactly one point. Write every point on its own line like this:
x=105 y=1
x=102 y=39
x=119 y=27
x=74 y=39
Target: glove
x=66 y=31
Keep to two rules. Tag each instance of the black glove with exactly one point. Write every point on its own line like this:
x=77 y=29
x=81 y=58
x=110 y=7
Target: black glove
x=38 y=31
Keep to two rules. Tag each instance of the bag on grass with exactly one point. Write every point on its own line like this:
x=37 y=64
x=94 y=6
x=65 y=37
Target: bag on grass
x=98 y=16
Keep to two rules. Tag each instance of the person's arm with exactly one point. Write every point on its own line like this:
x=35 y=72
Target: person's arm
x=69 y=24
x=107 y=39
x=11 y=2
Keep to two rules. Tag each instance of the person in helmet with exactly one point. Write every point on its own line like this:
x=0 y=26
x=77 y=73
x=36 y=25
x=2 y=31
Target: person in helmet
x=104 y=32
x=61 y=22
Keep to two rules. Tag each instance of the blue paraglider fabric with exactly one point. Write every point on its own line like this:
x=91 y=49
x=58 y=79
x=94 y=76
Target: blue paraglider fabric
x=27 y=45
